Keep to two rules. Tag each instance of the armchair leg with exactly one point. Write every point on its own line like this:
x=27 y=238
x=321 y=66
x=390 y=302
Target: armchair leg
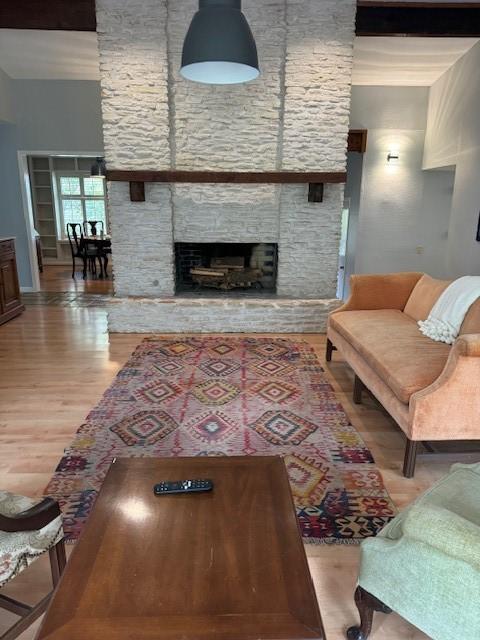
x=410 y=458
x=58 y=561
x=366 y=605
x=358 y=387
x=329 y=350
x=28 y=614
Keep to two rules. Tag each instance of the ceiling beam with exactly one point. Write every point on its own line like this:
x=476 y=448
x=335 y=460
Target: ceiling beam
x=423 y=19
x=374 y=18
x=58 y=15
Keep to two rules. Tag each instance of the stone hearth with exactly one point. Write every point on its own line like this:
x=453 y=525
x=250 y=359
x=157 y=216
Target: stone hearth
x=213 y=315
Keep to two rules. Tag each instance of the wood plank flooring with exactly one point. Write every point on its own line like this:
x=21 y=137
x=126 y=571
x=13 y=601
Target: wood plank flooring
x=59 y=278
x=55 y=363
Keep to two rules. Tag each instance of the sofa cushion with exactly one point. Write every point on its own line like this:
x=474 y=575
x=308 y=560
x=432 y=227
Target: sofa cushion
x=471 y=322
x=391 y=343
x=424 y=295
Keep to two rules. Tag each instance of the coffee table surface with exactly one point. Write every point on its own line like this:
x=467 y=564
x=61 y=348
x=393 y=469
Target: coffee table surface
x=228 y=564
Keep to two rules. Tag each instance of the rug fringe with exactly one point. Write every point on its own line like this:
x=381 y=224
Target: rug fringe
x=326 y=541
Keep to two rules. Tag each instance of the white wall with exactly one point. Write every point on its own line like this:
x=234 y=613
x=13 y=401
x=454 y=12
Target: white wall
x=404 y=212
x=453 y=138
x=50 y=115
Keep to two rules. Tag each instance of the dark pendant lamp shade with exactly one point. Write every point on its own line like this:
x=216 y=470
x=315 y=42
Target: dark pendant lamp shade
x=219 y=47
x=99 y=168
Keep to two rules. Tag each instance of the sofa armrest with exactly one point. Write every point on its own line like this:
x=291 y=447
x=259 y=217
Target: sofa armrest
x=468 y=345
x=449 y=407
x=380 y=291
x=445 y=531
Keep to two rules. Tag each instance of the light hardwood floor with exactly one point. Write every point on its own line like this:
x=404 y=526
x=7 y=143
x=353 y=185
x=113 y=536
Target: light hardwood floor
x=55 y=363
x=59 y=278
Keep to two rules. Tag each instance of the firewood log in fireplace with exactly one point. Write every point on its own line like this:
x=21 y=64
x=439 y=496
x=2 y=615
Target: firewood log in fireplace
x=227 y=273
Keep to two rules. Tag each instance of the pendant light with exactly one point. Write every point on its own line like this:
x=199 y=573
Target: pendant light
x=99 y=168
x=219 y=47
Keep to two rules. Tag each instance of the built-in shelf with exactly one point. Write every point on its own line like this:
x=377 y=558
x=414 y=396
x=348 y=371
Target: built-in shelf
x=316 y=179
x=40 y=168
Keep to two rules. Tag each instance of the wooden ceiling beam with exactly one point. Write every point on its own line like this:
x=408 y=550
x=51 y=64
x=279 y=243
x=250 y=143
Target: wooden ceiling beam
x=421 y=19
x=374 y=17
x=48 y=15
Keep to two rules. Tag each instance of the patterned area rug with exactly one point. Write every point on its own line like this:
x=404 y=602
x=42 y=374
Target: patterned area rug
x=207 y=396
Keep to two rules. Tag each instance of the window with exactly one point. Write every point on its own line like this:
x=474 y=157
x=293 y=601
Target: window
x=80 y=198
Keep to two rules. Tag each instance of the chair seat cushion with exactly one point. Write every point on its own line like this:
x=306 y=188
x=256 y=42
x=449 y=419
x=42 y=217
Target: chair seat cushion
x=391 y=343
x=18 y=550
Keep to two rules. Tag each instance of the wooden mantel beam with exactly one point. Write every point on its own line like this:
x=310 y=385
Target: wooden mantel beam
x=315 y=179
x=227 y=177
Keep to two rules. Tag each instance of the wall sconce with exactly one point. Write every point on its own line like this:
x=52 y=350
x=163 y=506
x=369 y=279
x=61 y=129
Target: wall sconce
x=393 y=157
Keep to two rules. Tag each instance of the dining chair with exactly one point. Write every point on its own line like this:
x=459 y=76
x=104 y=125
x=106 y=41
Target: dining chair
x=80 y=249
x=28 y=529
x=98 y=249
x=93 y=227
x=77 y=246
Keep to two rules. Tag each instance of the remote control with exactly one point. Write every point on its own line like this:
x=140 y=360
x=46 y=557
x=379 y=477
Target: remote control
x=182 y=486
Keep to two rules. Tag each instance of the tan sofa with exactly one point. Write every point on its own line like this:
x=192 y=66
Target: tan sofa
x=431 y=389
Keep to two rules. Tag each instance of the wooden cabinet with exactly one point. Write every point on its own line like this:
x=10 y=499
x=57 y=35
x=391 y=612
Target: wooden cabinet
x=10 y=299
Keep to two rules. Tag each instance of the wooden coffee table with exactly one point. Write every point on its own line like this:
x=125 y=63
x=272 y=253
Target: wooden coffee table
x=229 y=564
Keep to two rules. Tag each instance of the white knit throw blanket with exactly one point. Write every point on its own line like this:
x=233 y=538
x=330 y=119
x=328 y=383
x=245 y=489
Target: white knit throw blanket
x=447 y=314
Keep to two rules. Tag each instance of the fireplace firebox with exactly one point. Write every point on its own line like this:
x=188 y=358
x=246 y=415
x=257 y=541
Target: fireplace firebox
x=225 y=267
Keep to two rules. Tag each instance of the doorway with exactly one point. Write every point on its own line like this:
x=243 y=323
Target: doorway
x=57 y=189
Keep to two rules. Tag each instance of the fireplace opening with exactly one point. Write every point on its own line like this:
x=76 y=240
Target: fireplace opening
x=226 y=268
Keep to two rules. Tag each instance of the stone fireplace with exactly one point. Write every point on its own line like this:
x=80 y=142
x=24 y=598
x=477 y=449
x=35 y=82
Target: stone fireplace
x=294 y=117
